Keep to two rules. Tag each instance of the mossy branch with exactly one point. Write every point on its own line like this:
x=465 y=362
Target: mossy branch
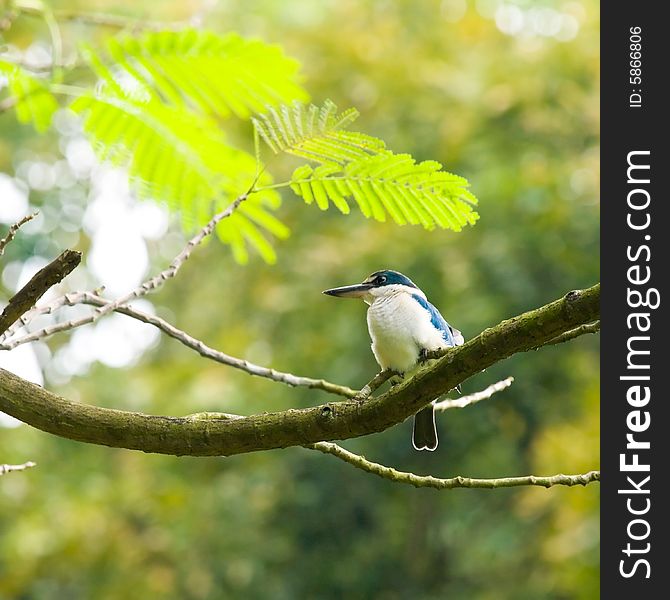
x=333 y=421
x=437 y=483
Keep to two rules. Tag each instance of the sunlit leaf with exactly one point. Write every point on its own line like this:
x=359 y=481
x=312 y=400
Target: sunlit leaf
x=176 y=156
x=214 y=74
x=33 y=102
x=358 y=167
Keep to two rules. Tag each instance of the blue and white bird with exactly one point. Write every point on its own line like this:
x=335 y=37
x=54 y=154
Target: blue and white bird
x=403 y=326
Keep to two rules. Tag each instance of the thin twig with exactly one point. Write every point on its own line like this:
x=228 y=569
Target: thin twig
x=44 y=11
x=429 y=481
x=148 y=286
x=476 y=397
x=117 y=21
x=11 y=233
x=157 y=281
x=573 y=333
x=189 y=341
x=374 y=384
x=101 y=19
x=9 y=468
x=45 y=278
x=69 y=299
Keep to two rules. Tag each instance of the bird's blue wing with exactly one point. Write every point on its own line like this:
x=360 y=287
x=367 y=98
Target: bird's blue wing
x=451 y=336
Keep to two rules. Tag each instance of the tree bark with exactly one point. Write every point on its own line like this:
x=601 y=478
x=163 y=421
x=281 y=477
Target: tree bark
x=223 y=435
x=45 y=278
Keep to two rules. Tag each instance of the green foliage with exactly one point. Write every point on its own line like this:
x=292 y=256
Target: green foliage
x=176 y=156
x=358 y=166
x=390 y=183
x=215 y=74
x=294 y=524
x=315 y=133
x=34 y=103
x=153 y=113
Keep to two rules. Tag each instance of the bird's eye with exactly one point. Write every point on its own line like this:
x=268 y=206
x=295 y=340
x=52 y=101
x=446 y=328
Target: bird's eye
x=381 y=279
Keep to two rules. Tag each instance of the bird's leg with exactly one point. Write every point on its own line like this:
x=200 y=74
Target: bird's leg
x=397 y=377
x=423 y=359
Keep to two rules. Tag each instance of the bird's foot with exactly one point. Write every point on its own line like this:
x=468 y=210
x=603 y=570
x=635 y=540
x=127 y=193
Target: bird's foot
x=423 y=356
x=396 y=378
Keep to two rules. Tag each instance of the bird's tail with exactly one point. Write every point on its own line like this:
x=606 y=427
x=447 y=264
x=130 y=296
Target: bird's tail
x=424 y=435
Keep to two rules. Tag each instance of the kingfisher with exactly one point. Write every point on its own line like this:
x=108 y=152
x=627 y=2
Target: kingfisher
x=403 y=327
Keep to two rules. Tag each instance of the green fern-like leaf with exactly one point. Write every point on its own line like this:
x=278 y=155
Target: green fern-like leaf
x=154 y=110
x=34 y=103
x=174 y=155
x=214 y=74
x=393 y=184
x=358 y=167
x=314 y=133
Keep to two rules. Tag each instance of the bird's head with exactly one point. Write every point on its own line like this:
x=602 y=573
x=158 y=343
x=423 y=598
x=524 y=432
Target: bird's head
x=380 y=283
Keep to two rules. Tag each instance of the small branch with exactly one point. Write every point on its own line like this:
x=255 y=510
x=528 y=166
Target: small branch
x=189 y=341
x=45 y=278
x=9 y=468
x=43 y=10
x=476 y=397
x=116 y=21
x=374 y=384
x=572 y=334
x=148 y=286
x=66 y=300
x=157 y=281
x=454 y=482
x=119 y=305
x=11 y=233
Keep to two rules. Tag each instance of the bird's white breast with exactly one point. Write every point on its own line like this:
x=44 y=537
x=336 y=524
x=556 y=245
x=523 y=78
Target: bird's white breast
x=400 y=327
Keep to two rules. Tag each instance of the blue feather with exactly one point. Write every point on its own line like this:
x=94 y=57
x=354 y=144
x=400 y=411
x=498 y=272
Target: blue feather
x=437 y=320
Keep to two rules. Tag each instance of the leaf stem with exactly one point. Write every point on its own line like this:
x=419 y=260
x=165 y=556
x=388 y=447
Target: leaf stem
x=44 y=11
x=274 y=186
x=67 y=90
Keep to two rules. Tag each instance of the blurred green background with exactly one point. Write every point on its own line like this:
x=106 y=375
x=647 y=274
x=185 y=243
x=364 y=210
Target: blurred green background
x=505 y=94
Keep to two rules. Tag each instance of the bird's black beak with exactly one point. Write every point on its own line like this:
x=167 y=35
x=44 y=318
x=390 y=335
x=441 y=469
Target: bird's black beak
x=350 y=291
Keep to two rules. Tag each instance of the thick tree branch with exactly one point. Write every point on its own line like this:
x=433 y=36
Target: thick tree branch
x=454 y=482
x=336 y=420
x=30 y=293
